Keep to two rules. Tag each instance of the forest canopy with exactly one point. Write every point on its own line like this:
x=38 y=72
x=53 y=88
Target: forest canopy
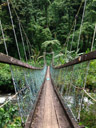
x=45 y=20
x=62 y=28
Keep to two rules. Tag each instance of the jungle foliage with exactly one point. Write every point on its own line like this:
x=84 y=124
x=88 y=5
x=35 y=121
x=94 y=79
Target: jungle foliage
x=47 y=24
x=9 y=116
x=45 y=20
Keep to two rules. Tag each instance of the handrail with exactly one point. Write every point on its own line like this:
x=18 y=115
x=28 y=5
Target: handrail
x=10 y=60
x=80 y=59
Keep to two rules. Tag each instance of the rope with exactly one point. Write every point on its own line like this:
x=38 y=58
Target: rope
x=81 y=24
x=13 y=29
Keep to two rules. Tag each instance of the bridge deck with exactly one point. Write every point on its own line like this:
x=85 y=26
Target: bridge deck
x=49 y=113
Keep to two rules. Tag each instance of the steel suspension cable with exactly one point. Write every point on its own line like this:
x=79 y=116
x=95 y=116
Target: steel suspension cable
x=93 y=38
x=26 y=36
x=28 y=49
x=82 y=91
x=73 y=34
x=22 y=39
x=87 y=69
x=20 y=30
x=13 y=29
x=20 y=97
x=86 y=74
x=81 y=24
x=21 y=26
x=3 y=38
x=15 y=35
x=67 y=40
x=28 y=42
x=12 y=73
x=6 y=49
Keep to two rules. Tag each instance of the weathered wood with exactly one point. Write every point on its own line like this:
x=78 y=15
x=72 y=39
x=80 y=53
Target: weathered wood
x=68 y=114
x=80 y=59
x=49 y=112
x=30 y=117
x=12 y=61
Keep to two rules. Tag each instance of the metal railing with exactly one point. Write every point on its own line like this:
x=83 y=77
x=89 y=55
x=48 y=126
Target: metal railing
x=72 y=80
x=28 y=81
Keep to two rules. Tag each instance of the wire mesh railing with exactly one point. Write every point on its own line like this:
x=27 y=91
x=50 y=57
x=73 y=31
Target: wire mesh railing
x=73 y=82
x=27 y=82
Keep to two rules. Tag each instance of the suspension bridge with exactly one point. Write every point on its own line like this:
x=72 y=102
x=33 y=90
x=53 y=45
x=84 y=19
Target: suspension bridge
x=49 y=97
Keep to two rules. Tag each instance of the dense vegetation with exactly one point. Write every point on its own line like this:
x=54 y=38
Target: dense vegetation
x=47 y=24
x=45 y=20
x=9 y=116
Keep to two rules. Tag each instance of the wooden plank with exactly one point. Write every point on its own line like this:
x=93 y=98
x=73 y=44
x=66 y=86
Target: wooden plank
x=50 y=120
x=10 y=60
x=80 y=59
x=49 y=112
x=30 y=117
x=68 y=114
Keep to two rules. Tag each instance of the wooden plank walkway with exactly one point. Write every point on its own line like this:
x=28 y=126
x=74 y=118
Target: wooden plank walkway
x=49 y=113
